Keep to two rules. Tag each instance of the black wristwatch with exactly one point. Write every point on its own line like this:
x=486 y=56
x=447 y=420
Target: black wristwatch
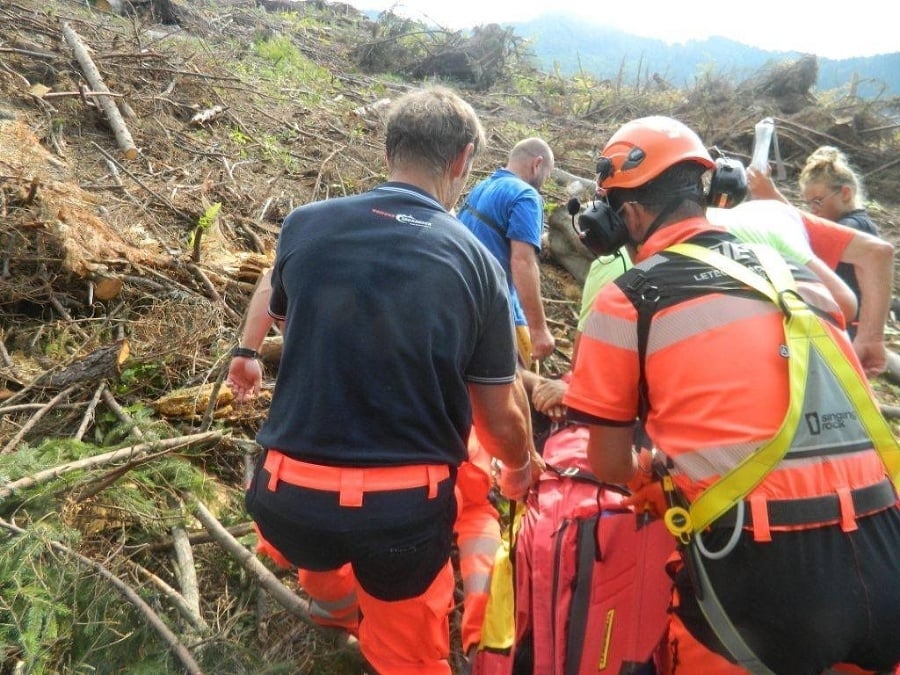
x=244 y=352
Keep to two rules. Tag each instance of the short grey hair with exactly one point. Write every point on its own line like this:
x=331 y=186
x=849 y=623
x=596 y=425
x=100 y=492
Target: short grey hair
x=429 y=127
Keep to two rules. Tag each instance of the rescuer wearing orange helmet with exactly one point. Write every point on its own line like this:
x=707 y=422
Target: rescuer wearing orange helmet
x=777 y=468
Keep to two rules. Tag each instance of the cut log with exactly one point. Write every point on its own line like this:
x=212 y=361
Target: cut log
x=270 y=352
x=565 y=247
x=893 y=367
x=191 y=402
x=208 y=115
x=107 y=103
x=107 y=287
x=104 y=362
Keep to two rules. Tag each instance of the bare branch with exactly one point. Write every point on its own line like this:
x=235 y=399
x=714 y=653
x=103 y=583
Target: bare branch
x=177 y=600
x=113 y=116
x=15 y=440
x=281 y=593
x=131 y=452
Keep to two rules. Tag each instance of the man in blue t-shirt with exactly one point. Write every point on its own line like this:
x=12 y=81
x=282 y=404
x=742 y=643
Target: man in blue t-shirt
x=506 y=212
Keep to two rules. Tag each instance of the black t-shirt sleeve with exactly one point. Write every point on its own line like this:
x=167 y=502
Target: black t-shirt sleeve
x=494 y=358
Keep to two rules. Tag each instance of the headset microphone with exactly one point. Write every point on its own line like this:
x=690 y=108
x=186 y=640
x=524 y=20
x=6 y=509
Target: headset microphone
x=599 y=228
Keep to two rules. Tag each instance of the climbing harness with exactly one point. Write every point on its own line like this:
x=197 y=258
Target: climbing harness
x=812 y=355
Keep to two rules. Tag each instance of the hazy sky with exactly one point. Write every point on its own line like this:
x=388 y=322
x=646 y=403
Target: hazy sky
x=859 y=28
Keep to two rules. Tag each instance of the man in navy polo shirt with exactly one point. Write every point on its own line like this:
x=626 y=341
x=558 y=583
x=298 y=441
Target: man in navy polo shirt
x=398 y=336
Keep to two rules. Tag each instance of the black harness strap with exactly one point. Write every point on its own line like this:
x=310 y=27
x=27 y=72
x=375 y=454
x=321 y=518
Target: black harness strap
x=645 y=298
x=490 y=222
x=586 y=555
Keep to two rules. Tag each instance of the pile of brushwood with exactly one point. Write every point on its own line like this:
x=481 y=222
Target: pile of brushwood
x=148 y=153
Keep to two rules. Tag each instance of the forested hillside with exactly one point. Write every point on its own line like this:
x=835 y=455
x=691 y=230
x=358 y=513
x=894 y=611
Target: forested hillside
x=607 y=53
x=149 y=152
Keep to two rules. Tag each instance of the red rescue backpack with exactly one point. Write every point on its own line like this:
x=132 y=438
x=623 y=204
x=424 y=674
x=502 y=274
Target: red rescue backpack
x=591 y=589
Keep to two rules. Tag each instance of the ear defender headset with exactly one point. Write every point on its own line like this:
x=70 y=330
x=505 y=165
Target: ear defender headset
x=728 y=184
x=599 y=228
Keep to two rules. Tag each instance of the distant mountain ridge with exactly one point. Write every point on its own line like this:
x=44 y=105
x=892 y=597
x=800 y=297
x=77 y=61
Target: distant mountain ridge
x=571 y=45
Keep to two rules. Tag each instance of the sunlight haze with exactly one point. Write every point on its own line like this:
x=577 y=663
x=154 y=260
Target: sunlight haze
x=858 y=29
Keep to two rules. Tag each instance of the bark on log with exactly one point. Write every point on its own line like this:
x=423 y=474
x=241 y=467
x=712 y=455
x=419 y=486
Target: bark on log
x=893 y=367
x=270 y=352
x=565 y=246
x=185 y=570
x=100 y=364
x=107 y=103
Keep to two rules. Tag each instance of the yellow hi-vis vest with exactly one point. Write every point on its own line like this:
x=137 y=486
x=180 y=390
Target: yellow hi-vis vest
x=814 y=359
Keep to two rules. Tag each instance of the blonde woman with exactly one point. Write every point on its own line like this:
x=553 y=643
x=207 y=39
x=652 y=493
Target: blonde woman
x=833 y=191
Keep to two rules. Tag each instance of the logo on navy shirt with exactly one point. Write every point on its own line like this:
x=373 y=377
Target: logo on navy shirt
x=404 y=218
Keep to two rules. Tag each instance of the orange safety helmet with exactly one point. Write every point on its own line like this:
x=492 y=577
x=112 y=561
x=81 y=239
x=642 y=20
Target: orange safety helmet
x=643 y=148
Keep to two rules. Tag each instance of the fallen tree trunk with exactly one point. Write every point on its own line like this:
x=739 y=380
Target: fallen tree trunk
x=565 y=247
x=582 y=188
x=107 y=103
x=102 y=363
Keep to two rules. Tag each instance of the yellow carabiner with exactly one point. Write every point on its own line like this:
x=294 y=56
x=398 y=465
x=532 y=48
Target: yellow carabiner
x=678 y=522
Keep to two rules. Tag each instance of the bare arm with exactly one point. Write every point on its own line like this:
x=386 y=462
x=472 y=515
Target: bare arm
x=762 y=186
x=500 y=414
x=257 y=320
x=546 y=394
x=610 y=453
x=840 y=291
x=526 y=277
x=873 y=261
x=245 y=374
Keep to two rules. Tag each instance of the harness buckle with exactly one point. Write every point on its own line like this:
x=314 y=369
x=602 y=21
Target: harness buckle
x=678 y=522
x=789 y=301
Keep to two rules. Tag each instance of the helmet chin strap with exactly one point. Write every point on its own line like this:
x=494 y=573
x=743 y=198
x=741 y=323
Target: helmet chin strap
x=670 y=206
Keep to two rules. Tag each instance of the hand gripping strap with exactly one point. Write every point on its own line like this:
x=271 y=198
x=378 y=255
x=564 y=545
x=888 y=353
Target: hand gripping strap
x=803 y=331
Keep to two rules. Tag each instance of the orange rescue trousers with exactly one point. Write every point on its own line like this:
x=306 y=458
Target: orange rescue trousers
x=477 y=539
x=406 y=636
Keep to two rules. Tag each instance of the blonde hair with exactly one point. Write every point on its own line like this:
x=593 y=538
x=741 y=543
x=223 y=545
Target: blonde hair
x=829 y=165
